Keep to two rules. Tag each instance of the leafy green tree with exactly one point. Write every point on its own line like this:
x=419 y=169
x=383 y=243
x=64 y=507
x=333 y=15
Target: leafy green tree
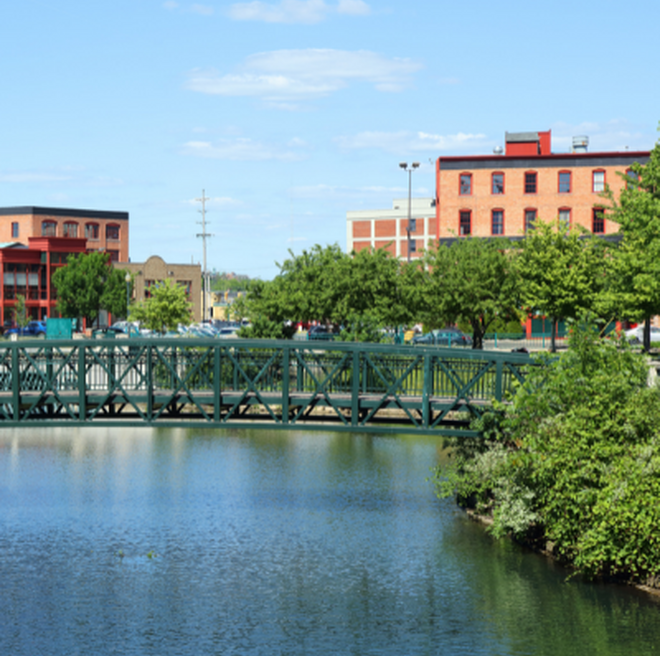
x=88 y=284
x=562 y=274
x=20 y=311
x=472 y=280
x=634 y=292
x=167 y=307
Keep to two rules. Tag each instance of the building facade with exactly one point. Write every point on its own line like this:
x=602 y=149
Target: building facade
x=27 y=271
x=146 y=275
x=503 y=194
x=101 y=230
x=388 y=228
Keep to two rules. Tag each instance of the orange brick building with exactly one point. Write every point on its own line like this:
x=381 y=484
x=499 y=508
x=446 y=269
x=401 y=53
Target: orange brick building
x=504 y=193
x=102 y=231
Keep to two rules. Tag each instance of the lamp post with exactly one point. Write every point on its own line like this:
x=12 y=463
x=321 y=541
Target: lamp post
x=127 y=278
x=410 y=169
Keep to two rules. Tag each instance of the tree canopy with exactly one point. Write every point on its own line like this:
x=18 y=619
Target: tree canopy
x=634 y=292
x=167 y=307
x=561 y=273
x=473 y=280
x=88 y=284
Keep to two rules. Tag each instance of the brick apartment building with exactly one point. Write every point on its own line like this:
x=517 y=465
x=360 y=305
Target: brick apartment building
x=387 y=228
x=504 y=193
x=102 y=230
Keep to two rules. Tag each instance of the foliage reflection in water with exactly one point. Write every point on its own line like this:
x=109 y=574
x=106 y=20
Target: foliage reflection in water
x=174 y=542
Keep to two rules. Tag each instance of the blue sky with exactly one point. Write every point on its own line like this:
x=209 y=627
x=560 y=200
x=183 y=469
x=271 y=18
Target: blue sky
x=289 y=113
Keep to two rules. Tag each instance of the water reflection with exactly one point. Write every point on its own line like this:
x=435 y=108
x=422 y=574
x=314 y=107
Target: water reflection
x=191 y=542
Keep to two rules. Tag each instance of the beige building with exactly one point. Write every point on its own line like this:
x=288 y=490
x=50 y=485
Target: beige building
x=155 y=269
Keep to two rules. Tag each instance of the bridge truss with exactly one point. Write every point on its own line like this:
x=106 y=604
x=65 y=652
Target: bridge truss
x=252 y=383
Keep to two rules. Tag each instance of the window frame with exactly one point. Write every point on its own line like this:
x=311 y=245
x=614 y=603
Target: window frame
x=561 y=183
x=492 y=221
x=632 y=179
x=603 y=181
x=464 y=214
x=528 y=226
x=492 y=183
x=67 y=226
x=45 y=225
x=528 y=185
x=467 y=177
x=570 y=219
x=113 y=226
x=598 y=217
x=15 y=229
x=97 y=231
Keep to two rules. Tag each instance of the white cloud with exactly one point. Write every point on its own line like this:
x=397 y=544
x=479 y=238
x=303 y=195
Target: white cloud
x=411 y=142
x=353 y=7
x=296 y=11
x=170 y=4
x=283 y=75
x=614 y=135
x=242 y=150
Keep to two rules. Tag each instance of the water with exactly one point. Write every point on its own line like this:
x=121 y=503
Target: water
x=192 y=543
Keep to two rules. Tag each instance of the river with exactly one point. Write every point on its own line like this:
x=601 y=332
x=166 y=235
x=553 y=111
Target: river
x=174 y=542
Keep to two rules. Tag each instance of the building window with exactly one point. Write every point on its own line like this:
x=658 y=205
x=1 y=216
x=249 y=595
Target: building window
x=412 y=225
x=598 y=221
x=530 y=182
x=413 y=246
x=465 y=184
x=497 y=183
x=14 y=230
x=564 y=182
x=598 y=181
x=465 y=223
x=497 y=222
x=70 y=229
x=114 y=256
x=112 y=232
x=48 y=229
x=91 y=230
x=530 y=219
x=633 y=179
x=564 y=220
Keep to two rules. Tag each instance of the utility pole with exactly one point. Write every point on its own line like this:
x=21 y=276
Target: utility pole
x=204 y=235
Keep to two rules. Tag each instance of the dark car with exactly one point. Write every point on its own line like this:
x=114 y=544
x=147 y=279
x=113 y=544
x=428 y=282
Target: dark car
x=321 y=332
x=443 y=337
x=33 y=329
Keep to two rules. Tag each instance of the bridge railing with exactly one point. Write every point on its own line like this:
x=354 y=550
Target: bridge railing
x=240 y=382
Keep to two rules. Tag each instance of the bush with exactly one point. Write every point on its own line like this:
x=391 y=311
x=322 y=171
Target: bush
x=575 y=459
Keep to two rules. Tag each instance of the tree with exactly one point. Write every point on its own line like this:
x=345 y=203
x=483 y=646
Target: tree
x=167 y=307
x=562 y=274
x=20 y=311
x=635 y=290
x=473 y=280
x=88 y=284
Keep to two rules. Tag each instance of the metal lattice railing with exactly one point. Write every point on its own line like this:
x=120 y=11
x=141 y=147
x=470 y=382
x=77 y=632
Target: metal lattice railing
x=345 y=386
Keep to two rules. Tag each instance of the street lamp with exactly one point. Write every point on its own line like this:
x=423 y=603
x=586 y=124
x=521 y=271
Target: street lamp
x=410 y=169
x=127 y=278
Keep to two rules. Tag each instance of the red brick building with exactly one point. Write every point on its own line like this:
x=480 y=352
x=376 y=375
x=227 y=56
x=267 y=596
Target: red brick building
x=504 y=193
x=28 y=270
x=102 y=231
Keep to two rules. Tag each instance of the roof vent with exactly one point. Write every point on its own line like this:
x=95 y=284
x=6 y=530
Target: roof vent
x=580 y=144
x=498 y=150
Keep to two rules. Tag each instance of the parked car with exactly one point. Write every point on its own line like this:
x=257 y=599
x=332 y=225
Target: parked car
x=33 y=329
x=443 y=337
x=636 y=335
x=321 y=332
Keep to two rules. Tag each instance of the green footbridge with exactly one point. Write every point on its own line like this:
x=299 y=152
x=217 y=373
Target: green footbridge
x=217 y=383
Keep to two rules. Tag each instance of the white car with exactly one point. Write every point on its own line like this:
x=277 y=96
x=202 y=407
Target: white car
x=636 y=335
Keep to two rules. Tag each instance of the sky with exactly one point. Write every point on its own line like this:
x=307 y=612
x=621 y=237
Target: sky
x=286 y=114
